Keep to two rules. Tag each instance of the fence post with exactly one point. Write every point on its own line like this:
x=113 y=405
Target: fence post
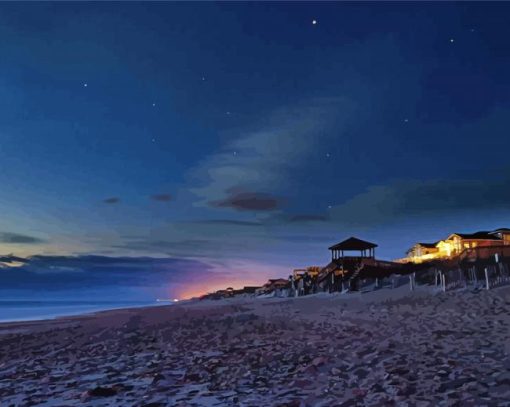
x=486 y=279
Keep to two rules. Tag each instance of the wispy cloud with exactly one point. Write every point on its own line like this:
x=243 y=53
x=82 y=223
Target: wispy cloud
x=9 y=259
x=17 y=238
x=225 y=222
x=162 y=197
x=432 y=198
x=55 y=273
x=307 y=218
x=112 y=200
x=248 y=201
x=264 y=158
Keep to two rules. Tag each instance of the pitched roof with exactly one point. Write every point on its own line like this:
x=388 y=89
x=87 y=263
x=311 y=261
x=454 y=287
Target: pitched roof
x=277 y=281
x=353 y=243
x=427 y=245
x=500 y=230
x=482 y=235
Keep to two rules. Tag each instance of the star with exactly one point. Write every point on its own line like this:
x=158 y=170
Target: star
x=235 y=152
x=452 y=40
x=85 y=85
x=406 y=120
x=153 y=140
x=329 y=206
x=228 y=113
x=203 y=78
x=328 y=155
x=154 y=105
x=314 y=22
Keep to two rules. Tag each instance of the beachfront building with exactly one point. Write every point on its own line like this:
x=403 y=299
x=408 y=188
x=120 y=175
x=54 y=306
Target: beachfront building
x=456 y=243
x=276 y=286
x=422 y=251
x=503 y=234
x=347 y=258
x=312 y=271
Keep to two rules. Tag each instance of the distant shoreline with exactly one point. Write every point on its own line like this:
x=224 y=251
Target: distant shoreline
x=39 y=310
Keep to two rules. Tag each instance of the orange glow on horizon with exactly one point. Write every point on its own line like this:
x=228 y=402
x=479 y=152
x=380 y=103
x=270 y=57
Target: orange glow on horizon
x=237 y=275
x=201 y=289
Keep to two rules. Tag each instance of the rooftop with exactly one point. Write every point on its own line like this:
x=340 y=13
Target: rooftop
x=428 y=245
x=478 y=235
x=353 y=243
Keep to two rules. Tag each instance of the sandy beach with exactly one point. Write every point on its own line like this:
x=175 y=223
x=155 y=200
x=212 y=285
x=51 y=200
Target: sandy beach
x=325 y=350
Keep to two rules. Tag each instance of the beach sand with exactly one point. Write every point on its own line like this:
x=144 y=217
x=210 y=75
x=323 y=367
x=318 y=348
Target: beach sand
x=325 y=350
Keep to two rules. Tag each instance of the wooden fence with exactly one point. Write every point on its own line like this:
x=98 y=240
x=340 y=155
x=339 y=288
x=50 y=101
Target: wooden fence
x=483 y=275
x=487 y=274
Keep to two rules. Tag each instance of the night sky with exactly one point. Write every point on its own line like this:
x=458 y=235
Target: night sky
x=162 y=150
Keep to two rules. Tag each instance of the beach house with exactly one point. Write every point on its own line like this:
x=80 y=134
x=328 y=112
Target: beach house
x=274 y=285
x=456 y=243
x=422 y=251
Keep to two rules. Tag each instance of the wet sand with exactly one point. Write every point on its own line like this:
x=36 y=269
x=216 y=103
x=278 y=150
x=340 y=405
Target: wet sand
x=418 y=349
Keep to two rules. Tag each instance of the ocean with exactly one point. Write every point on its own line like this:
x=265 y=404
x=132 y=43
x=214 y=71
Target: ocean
x=21 y=310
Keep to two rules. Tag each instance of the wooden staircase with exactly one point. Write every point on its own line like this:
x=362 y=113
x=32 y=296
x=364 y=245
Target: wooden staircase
x=352 y=278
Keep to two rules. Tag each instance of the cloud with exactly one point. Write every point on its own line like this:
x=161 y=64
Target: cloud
x=11 y=259
x=307 y=218
x=225 y=222
x=55 y=273
x=162 y=197
x=432 y=198
x=264 y=156
x=112 y=200
x=16 y=238
x=248 y=201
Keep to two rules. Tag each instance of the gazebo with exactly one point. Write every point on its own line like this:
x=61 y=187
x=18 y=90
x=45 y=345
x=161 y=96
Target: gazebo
x=366 y=249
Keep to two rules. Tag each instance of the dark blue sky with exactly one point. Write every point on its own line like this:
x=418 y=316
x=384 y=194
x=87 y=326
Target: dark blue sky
x=241 y=139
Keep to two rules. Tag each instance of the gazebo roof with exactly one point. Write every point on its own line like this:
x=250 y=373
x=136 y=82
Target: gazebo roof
x=353 y=243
